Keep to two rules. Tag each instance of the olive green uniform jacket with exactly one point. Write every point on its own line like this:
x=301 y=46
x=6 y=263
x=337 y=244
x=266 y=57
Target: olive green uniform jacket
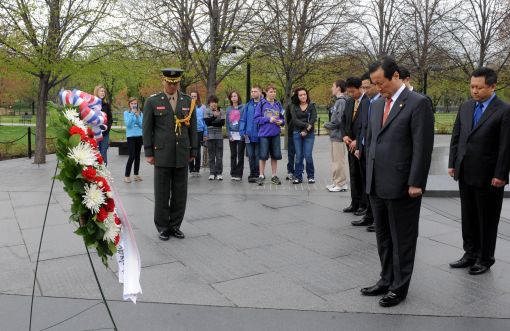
x=160 y=139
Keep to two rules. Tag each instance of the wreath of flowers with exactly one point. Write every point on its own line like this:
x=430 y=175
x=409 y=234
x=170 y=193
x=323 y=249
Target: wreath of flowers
x=87 y=182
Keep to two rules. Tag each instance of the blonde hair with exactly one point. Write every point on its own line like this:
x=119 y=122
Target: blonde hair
x=96 y=90
x=132 y=99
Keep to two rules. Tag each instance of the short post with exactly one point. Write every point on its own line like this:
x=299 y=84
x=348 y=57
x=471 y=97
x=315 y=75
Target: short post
x=319 y=127
x=29 y=142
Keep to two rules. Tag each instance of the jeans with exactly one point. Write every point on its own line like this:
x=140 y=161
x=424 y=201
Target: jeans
x=194 y=166
x=236 y=158
x=291 y=152
x=252 y=149
x=103 y=147
x=304 y=148
x=135 y=147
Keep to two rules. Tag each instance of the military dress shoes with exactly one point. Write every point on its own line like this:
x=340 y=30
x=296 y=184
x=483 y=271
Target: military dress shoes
x=360 y=212
x=374 y=290
x=464 y=262
x=177 y=234
x=390 y=299
x=164 y=235
x=349 y=209
x=371 y=228
x=363 y=222
x=478 y=269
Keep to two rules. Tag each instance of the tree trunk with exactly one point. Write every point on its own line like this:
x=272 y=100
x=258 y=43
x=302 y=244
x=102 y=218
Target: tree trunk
x=211 y=77
x=40 y=130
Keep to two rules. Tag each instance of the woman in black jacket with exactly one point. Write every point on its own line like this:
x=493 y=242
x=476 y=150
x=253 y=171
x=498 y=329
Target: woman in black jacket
x=100 y=92
x=304 y=116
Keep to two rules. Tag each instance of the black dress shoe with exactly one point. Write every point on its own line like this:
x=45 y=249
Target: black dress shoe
x=464 y=262
x=363 y=222
x=349 y=209
x=371 y=228
x=374 y=290
x=478 y=269
x=177 y=234
x=360 y=212
x=390 y=299
x=164 y=235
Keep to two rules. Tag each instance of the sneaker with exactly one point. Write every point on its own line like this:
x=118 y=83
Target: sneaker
x=297 y=181
x=289 y=176
x=275 y=180
x=211 y=177
x=311 y=180
x=236 y=178
x=138 y=178
x=330 y=186
x=127 y=179
x=260 y=180
x=219 y=177
x=252 y=179
x=335 y=188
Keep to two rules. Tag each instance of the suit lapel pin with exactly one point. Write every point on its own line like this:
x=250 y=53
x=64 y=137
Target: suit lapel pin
x=401 y=105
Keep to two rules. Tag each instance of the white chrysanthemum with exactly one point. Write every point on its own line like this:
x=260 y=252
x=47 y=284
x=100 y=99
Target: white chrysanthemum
x=102 y=171
x=83 y=154
x=71 y=114
x=93 y=197
x=112 y=229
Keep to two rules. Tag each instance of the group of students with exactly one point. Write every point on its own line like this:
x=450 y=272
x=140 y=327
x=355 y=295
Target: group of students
x=255 y=127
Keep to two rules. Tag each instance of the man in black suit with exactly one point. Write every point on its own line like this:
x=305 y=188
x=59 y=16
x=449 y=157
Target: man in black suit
x=351 y=129
x=372 y=93
x=480 y=161
x=400 y=141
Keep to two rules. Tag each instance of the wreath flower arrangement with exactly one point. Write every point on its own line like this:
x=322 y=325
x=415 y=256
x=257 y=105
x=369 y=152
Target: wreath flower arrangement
x=84 y=174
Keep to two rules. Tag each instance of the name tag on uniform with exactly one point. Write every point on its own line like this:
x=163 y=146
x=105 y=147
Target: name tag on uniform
x=160 y=107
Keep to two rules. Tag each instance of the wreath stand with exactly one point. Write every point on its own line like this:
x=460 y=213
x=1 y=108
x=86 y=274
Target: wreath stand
x=88 y=254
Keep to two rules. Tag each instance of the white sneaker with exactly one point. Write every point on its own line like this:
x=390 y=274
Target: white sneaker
x=236 y=178
x=335 y=188
x=330 y=186
x=211 y=177
x=219 y=177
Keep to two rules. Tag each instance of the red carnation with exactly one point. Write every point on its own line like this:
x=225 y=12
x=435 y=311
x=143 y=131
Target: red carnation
x=76 y=130
x=90 y=133
x=91 y=141
x=117 y=239
x=103 y=184
x=117 y=220
x=110 y=204
x=89 y=173
x=102 y=215
x=99 y=158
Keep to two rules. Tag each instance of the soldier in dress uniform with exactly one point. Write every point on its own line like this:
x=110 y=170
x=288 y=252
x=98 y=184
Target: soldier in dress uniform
x=170 y=142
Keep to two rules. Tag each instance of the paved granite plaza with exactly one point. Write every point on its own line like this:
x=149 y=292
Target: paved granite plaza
x=255 y=258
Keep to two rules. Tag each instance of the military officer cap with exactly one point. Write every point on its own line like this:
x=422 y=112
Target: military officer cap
x=172 y=75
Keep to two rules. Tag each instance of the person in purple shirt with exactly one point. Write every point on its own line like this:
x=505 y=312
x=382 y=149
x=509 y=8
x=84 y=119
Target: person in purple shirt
x=269 y=115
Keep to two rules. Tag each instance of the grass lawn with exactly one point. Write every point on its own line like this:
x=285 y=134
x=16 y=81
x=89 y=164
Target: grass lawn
x=10 y=149
x=19 y=148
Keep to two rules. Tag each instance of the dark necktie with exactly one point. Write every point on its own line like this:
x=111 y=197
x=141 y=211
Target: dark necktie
x=478 y=114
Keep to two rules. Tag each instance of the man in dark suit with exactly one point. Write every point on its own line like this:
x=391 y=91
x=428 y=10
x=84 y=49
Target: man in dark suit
x=372 y=93
x=351 y=129
x=400 y=140
x=480 y=161
x=170 y=142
